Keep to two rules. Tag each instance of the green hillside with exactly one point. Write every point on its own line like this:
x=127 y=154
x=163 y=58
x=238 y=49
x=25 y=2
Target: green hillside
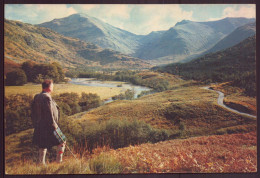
x=28 y=42
x=181 y=113
x=236 y=65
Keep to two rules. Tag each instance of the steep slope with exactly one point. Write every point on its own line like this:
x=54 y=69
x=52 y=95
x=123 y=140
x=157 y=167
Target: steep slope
x=181 y=42
x=207 y=154
x=27 y=42
x=93 y=30
x=229 y=153
x=10 y=65
x=235 y=37
x=188 y=38
x=236 y=65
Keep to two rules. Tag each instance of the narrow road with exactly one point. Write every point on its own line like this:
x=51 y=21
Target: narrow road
x=221 y=103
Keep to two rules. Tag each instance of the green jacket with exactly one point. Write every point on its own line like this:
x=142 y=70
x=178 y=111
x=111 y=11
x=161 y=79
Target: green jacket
x=45 y=117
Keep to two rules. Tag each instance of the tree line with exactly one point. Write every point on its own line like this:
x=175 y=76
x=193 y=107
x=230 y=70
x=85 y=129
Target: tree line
x=36 y=73
x=124 y=76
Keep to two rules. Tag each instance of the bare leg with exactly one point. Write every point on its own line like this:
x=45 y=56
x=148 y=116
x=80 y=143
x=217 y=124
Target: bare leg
x=60 y=151
x=42 y=155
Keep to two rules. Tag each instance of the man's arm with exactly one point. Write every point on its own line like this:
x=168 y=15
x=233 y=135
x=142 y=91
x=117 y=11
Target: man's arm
x=35 y=112
x=49 y=110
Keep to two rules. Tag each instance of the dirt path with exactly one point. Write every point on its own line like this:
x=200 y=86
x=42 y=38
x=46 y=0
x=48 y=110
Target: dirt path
x=221 y=103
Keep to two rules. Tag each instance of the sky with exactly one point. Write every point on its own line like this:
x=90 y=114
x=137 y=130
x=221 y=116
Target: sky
x=139 y=19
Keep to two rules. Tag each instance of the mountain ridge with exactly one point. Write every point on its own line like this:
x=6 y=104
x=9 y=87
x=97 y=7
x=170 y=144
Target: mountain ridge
x=235 y=37
x=96 y=31
x=236 y=65
x=180 y=42
x=28 y=42
x=188 y=38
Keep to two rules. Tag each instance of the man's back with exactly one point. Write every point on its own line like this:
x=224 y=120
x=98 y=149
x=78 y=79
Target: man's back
x=44 y=110
x=45 y=118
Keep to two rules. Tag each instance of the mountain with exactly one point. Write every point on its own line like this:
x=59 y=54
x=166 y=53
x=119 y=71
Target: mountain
x=93 y=30
x=28 y=42
x=236 y=65
x=186 y=40
x=189 y=38
x=235 y=37
x=230 y=61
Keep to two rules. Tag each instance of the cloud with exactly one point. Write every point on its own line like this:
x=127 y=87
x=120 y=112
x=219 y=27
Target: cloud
x=162 y=17
x=85 y=7
x=248 y=11
x=139 y=19
x=117 y=11
x=38 y=13
x=105 y=11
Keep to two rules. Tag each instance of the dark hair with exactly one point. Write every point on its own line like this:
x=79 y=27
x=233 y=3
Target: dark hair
x=46 y=83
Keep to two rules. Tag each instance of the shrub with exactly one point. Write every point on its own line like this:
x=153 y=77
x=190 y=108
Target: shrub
x=236 y=129
x=64 y=108
x=118 y=133
x=177 y=112
x=128 y=95
x=17 y=113
x=143 y=93
x=105 y=164
x=88 y=101
x=158 y=84
x=68 y=103
x=11 y=122
x=17 y=78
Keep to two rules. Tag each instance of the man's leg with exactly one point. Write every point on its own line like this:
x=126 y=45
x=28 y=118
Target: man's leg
x=42 y=155
x=60 y=151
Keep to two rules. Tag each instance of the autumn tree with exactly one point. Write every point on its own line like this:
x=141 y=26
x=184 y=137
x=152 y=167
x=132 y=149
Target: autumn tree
x=17 y=78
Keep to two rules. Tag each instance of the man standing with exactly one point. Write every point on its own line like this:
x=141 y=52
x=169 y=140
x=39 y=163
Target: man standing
x=45 y=117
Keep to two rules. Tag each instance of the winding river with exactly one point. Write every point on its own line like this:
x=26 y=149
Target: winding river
x=221 y=103
x=109 y=84
x=138 y=89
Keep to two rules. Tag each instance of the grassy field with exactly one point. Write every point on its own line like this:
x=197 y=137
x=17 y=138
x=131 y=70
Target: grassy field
x=219 y=136
x=193 y=108
x=103 y=92
x=213 y=154
x=234 y=153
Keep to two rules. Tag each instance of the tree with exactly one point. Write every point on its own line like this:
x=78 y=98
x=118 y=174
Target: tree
x=17 y=78
x=61 y=74
x=129 y=94
x=68 y=103
x=38 y=72
x=89 y=101
x=39 y=78
x=11 y=121
x=28 y=68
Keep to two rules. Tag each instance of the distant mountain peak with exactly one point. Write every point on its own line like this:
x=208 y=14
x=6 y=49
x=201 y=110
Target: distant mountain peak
x=182 y=22
x=42 y=45
x=186 y=38
x=80 y=15
x=156 y=32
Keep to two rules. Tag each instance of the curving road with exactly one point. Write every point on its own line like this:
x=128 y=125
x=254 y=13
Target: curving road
x=221 y=103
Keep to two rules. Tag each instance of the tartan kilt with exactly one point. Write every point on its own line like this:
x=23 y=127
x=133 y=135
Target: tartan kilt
x=44 y=138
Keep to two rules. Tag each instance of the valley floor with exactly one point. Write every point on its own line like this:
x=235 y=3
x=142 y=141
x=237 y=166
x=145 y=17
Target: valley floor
x=203 y=138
